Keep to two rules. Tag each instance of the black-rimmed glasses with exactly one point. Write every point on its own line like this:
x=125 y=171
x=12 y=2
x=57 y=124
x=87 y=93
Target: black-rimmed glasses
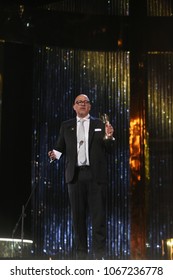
x=80 y=102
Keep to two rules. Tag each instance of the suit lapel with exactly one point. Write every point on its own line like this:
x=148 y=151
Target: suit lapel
x=91 y=129
x=72 y=128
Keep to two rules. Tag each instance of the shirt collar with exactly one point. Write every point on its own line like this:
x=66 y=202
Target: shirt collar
x=86 y=118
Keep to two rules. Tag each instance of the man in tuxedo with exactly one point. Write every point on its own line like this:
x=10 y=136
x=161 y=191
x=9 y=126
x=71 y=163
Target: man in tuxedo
x=86 y=174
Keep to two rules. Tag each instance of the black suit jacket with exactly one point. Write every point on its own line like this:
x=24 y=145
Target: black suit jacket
x=98 y=148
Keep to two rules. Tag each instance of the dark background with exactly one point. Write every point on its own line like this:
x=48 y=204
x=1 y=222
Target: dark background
x=16 y=137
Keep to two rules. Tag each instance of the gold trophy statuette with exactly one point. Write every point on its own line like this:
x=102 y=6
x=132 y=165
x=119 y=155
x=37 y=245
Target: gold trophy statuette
x=105 y=120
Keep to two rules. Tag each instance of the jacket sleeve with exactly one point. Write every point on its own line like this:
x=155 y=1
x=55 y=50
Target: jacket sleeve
x=60 y=144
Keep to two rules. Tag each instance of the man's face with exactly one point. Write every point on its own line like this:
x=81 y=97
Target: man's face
x=82 y=105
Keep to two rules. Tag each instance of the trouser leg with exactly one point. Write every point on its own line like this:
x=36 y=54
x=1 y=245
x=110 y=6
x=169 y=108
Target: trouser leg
x=78 y=204
x=97 y=207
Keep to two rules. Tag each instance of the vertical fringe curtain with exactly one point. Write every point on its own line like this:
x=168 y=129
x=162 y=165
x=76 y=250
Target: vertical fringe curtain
x=160 y=128
x=59 y=75
x=104 y=7
x=159 y=8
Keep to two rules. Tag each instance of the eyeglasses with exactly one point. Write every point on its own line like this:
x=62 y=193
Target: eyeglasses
x=80 y=102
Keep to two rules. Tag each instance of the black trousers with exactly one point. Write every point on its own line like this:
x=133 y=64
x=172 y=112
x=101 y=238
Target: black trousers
x=87 y=196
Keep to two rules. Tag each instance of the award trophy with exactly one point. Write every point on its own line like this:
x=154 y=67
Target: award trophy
x=105 y=120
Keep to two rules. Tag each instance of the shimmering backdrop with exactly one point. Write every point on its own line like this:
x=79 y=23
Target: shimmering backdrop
x=160 y=129
x=135 y=88
x=60 y=75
